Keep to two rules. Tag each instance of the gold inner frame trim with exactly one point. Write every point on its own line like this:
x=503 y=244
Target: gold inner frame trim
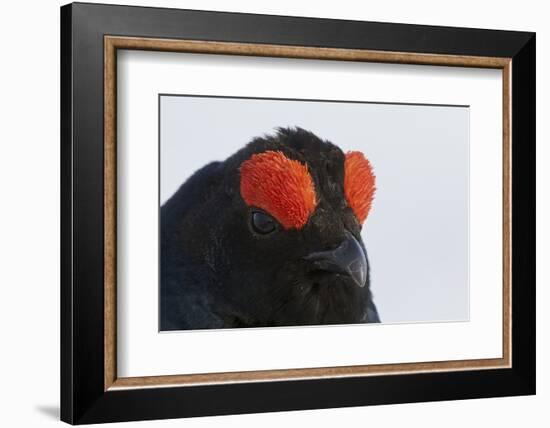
x=113 y=43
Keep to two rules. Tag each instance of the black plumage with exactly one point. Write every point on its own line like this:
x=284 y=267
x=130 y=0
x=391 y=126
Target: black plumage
x=226 y=264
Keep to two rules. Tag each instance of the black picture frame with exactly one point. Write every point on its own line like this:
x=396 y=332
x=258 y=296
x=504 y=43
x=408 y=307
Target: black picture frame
x=83 y=396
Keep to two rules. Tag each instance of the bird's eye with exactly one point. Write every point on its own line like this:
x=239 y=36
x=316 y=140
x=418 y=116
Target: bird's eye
x=262 y=223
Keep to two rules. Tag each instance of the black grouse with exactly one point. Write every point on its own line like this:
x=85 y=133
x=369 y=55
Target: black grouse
x=269 y=237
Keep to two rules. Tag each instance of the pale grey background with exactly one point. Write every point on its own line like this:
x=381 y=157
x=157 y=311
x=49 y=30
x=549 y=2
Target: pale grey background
x=417 y=232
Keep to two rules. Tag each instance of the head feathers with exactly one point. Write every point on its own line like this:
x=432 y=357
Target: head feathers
x=359 y=185
x=280 y=186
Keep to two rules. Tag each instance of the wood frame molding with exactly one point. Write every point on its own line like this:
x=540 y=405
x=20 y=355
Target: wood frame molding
x=113 y=43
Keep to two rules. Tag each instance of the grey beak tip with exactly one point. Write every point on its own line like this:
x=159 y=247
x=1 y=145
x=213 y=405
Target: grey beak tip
x=358 y=272
x=349 y=258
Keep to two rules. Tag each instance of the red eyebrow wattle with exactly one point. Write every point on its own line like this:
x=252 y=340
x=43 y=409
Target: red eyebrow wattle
x=359 y=184
x=280 y=186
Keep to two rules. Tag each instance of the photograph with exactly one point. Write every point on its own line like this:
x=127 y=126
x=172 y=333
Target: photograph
x=292 y=212
x=273 y=212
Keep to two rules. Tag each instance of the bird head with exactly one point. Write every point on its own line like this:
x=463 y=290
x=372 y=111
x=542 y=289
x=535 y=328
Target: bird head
x=278 y=234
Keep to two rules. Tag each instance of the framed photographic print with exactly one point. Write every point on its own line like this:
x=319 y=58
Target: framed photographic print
x=265 y=213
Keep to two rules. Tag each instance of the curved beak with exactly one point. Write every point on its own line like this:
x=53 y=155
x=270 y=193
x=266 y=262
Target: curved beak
x=348 y=259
